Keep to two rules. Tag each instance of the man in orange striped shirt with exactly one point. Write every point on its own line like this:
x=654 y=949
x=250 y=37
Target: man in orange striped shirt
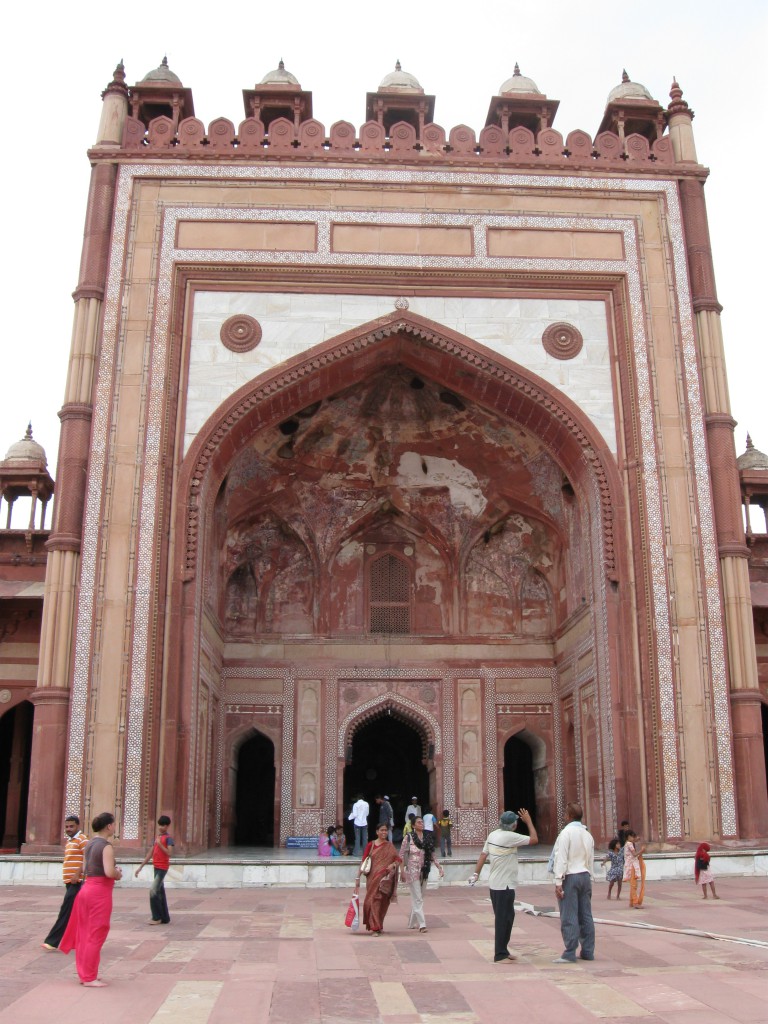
x=73 y=873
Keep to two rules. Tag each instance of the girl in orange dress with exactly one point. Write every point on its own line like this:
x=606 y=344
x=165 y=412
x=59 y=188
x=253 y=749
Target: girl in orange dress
x=634 y=870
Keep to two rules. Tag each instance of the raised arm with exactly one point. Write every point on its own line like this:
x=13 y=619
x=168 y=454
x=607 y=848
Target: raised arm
x=524 y=814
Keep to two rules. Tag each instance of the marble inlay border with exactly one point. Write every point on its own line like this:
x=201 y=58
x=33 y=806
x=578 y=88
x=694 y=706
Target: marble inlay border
x=128 y=174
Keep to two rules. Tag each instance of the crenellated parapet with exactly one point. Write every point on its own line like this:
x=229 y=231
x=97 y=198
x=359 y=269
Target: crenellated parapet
x=284 y=140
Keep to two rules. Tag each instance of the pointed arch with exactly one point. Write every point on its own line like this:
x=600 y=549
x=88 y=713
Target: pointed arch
x=407 y=710
x=464 y=366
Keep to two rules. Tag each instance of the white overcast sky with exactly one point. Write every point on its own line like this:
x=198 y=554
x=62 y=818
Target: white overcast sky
x=57 y=58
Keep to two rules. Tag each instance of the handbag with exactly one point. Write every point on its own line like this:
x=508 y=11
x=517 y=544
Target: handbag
x=388 y=884
x=701 y=864
x=352 y=919
x=365 y=866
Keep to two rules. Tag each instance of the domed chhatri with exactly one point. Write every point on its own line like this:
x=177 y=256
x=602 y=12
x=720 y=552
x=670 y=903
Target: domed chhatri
x=281 y=78
x=400 y=81
x=162 y=75
x=27 y=450
x=628 y=90
x=752 y=458
x=518 y=83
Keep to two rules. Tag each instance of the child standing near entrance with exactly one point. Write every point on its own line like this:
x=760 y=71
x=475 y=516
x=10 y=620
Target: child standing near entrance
x=615 y=857
x=446 y=825
x=634 y=870
x=160 y=852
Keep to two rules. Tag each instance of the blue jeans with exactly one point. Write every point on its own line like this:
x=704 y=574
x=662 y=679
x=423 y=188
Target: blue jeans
x=576 y=924
x=158 y=904
x=361 y=839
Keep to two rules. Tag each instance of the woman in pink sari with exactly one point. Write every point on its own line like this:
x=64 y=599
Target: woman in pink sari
x=380 y=882
x=89 y=924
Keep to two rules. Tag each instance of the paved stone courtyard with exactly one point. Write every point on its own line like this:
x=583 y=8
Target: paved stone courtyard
x=284 y=956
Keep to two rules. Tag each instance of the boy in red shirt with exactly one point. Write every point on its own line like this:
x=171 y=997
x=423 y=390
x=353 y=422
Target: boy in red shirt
x=160 y=852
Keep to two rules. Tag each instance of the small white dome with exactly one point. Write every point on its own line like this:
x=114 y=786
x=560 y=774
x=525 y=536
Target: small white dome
x=752 y=458
x=161 y=74
x=518 y=83
x=280 y=77
x=27 y=450
x=627 y=90
x=400 y=81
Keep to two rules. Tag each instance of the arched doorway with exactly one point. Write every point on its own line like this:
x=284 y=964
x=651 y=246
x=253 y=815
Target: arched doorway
x=255 y=792
x=304 y=561
x=15 y=749
x=387 y=757
x=764 y=714
x=519 y=784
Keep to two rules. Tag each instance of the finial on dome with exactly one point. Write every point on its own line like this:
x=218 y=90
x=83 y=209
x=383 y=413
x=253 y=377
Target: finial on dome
x=164 y=61
x=398 y=66
x=281 y=65
x=516 y=72
x=752 y=459
x=624 y=76
x=28 y=435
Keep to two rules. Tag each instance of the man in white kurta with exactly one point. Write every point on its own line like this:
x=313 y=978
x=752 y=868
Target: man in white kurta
x=574 y=866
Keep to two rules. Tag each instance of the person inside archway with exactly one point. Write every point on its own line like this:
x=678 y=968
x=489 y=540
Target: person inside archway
x=386 y=815
x=359 y=818
x=413 y=808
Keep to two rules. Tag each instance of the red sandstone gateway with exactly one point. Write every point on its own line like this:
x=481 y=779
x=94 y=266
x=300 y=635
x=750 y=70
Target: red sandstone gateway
x=395 y=458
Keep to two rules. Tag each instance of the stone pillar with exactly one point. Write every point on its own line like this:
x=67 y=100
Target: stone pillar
x=749 y=763
x=51 y=697
x=114 y=110
x=751 y=796
x=46 y=780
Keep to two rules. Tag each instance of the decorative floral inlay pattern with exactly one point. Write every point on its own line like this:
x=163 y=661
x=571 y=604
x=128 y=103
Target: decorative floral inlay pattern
x=240 y=333
x=562 y=340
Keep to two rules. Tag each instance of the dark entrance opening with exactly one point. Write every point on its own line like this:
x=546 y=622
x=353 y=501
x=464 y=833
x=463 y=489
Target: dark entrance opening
x=387 y=759
x=255 y=793
x=15 y=751
x=519 y=787
x=764 y=713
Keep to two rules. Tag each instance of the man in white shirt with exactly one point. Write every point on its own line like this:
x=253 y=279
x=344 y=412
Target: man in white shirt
x=501 y=847
x=414 y=808
x=359 y=818
x=574 y=865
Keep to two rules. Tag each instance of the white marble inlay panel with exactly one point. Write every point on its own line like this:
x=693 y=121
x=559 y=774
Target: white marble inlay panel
x=293 y=323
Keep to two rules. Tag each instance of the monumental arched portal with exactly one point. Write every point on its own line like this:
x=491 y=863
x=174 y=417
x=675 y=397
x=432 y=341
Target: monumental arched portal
x=396 y=416
x=400 y=522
